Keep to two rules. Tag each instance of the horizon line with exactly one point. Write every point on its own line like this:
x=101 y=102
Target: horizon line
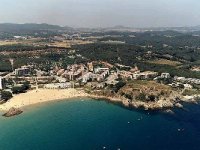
x=114 y=26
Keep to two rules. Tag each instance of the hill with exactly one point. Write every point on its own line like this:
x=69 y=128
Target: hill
x=9 y=27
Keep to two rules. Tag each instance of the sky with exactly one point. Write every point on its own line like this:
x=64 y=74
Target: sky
x=102 y=13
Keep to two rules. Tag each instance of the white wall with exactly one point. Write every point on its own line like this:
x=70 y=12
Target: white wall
x=1 y=87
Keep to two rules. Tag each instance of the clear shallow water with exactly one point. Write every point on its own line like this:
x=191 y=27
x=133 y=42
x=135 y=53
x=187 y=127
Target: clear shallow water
x=91 y=125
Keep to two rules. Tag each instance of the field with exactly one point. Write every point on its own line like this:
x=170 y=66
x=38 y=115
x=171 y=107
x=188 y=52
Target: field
x=38 y=41
x=165 y=62
x=68 y=43
x=8 y=42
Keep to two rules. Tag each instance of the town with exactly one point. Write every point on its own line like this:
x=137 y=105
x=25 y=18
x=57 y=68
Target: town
x=98 y=78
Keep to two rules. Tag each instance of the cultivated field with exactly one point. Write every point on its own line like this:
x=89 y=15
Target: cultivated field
x=8 y=42
x=165 y=62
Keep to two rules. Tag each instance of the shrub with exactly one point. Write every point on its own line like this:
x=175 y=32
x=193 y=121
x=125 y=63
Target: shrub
x=141 y=97
x=128 y=96
x=151 y=97
x=6 y=95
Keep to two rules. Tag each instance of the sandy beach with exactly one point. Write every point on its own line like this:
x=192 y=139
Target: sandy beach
x=40 y=96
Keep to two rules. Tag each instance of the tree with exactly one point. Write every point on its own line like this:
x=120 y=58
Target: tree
x=21 y=89
x=118 y=86
x=128 y=96
x=6 y=95
x=26 y=85
x=151 y=97
x=141 y=97
x=17 y=89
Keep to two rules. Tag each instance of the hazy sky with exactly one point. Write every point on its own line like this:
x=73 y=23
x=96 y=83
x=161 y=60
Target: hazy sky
x=102 y=13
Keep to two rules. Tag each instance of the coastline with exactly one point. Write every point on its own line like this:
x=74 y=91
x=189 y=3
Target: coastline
x=33 y=97
x=41 y=96
x=162 y=104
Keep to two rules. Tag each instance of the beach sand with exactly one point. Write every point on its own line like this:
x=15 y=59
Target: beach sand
x=40 y=96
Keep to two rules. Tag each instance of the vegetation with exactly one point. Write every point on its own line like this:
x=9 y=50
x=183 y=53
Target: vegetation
x=21 y=88
x=191 y=92
x=141 y=97
x=118 y=86
x=6 y=95
x=144 y=90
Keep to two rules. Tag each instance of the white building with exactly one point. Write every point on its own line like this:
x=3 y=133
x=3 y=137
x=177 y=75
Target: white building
x=98 y=70
x=2 y=83
x=1 y=86
x=145 y=75
x=23 y=71
x=58 y=85
x=165 y=75
x=188 y=86
x=87 y=77
x=61 y=79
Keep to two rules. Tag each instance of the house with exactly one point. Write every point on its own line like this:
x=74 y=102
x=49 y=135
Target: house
x=120 y=66
x=90 y=67
x=112 y=79
x=70 y=75
x=101 y=77
x=145 y=75
x=100 y=85
x=20 y=37
x=98 y=70
x=60 y=72
x=60 y=79
x=58 y=85
x=196 y=68
x=176 y=85
x=137 y=76
x=2 y=83
x=23 y=71
x=187 y=86
x=86 y=77
x=100 y=74
x=74 y=72
x=165 y=75
x=187 y=80
x=96 y=85
x=135 y=70
x=126 y=74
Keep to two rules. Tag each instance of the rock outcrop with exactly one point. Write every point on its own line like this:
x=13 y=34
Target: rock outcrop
x=13 y=112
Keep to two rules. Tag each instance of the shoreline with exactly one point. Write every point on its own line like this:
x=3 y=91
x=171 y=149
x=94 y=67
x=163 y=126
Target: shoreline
x=42 y=96
x=33 y=97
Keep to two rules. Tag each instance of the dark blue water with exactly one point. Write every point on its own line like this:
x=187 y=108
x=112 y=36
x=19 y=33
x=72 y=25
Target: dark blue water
x=92 y=125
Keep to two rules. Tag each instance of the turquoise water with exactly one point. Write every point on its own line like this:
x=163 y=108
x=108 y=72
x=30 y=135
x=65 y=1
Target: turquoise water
x=92 y=125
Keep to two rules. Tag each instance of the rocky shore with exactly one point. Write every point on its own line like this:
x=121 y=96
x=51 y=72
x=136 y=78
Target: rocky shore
x=13 y=112
x=161 y=104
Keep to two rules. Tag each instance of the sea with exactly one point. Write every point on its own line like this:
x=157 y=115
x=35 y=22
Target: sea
x=86 y=124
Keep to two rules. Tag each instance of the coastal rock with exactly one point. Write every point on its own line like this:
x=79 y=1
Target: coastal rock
x=12 y=112
x=179 y=105
x=165 y=103
x=169 y=111
x=125 y=102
